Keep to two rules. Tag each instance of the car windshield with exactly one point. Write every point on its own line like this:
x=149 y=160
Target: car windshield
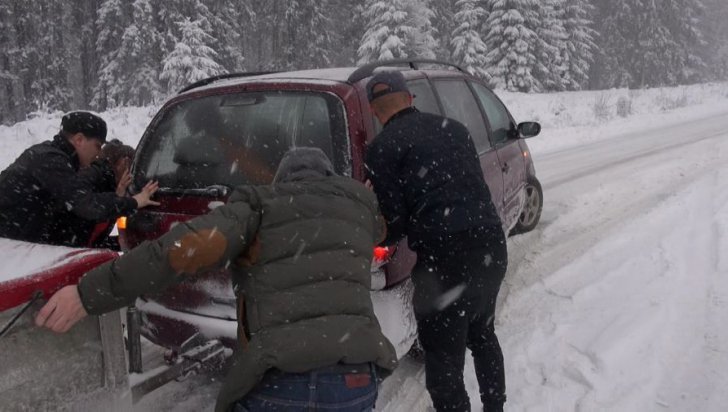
x=236 y=139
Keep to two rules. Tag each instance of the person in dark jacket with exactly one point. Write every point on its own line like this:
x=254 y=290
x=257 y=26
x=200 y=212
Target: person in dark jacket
x=299 y=252
x=43 y=184
x=108 y=173
x=425 y=171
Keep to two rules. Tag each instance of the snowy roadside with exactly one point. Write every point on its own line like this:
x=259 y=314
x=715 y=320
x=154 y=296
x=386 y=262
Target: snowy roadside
x=620 y=299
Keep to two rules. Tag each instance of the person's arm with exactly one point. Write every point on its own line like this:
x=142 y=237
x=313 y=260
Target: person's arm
x=75 y=192
x=382 y=171
x=188 y=250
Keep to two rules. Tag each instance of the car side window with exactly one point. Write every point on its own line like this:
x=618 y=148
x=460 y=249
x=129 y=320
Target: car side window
x=500 y=121
x=424 y=97
x=459 y=104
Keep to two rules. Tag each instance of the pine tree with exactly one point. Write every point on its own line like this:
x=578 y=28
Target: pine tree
x=138 y=58
x=579 y=52
x=14 y=53
x=48 y=87
x=645 y=43
x=423 y=40
x=230 y=18
x=112 y=21
x=347 y=22
x=468 y=48
x=550 y=50
x=715 y=49
x=445 y=23
x=308 y=30
x=172 y=12
x=512 y=42
x=397 y=29
x=683 y=19
x=192 y=58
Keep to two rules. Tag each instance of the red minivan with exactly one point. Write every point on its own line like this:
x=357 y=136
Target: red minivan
x=233 y=130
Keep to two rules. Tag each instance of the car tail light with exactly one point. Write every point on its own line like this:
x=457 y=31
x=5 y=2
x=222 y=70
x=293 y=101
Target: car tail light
x=121 y=228
x=382 y=254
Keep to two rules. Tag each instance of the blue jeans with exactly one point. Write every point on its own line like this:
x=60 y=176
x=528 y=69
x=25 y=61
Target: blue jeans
x=319 y=390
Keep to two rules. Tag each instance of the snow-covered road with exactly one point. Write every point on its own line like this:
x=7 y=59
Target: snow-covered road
x=618 y=300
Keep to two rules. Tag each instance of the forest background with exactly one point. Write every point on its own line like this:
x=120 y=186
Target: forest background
x=101 y=54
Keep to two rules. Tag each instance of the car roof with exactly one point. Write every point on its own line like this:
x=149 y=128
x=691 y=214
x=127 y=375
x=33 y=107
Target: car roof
x=338 y=75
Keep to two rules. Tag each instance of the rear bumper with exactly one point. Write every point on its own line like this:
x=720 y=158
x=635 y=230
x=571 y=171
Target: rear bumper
x=170 y=329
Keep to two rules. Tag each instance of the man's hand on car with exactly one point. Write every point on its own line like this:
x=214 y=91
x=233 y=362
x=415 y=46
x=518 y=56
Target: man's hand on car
x=63 y=310
x=144 y=198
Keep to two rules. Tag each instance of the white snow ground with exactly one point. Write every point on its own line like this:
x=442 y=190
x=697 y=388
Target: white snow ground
x=618 y=301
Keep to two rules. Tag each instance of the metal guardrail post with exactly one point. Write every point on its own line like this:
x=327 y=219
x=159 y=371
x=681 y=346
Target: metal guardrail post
x=133 y=324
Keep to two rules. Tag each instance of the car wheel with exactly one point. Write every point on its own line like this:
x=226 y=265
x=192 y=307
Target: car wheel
x=531 y=213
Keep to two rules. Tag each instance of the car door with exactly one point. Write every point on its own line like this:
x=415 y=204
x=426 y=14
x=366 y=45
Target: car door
x=505 y=139
x=459 y=103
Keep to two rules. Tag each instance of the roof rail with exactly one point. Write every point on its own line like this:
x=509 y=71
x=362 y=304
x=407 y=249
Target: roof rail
x=213 y=79
x=367 y=69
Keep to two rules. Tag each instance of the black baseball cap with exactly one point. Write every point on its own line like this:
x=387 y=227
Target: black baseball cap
x=394 y=80
x=87 y=123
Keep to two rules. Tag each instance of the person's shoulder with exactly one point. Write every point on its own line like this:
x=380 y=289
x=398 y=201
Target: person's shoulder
x=250 y=193
x=353 y=187
x=45 y=154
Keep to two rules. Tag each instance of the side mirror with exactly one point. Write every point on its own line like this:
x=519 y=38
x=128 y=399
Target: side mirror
x=529 y=129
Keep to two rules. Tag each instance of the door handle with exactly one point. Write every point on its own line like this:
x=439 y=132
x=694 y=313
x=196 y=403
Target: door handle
x=505 y=168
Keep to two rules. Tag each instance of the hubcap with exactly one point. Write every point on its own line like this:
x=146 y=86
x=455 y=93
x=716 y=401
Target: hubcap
x=530 y=209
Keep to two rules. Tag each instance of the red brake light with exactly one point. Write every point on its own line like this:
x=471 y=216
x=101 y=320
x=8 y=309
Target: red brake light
x=382 y=253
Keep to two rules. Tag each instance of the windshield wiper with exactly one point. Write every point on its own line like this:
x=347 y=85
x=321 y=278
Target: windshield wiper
x=212 y=191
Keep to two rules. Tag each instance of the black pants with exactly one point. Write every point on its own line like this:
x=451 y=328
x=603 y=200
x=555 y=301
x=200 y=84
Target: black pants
x=456 y=286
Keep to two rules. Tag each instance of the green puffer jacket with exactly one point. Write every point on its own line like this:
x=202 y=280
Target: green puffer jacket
x=299 y=254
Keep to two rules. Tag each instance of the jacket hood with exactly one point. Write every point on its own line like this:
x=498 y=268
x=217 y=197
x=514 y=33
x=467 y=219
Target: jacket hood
x=303 y=163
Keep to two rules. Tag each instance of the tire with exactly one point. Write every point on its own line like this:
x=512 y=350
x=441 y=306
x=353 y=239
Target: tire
x=531 y=213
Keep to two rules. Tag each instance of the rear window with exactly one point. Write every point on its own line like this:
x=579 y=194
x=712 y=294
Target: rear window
x=240 y=138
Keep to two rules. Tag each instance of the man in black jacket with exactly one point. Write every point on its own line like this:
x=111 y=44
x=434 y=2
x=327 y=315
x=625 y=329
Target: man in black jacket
x=425 y=171
x=42 y=185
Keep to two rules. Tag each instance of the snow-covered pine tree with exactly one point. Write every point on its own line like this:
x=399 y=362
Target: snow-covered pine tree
x=512 y=42
x=550 y=69
x=423 y=40
x=138 y=58
x=230 y=19
x=112 y=20
x=387 y=30
x=684 y=18
x=468 y=48
x=49 y=88
x=579 y=52
x=192 y=58
x=445 y=23
x=715 y=49
x=17 y=52
x=613 y=45
x=397 y=29
x=308 y=32
x=172 y=12
x=348 y=24
x=645 y=43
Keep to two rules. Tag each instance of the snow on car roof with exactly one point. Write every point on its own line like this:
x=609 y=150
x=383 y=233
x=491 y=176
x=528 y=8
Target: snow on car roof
x=329 y=76
x=320 y=76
